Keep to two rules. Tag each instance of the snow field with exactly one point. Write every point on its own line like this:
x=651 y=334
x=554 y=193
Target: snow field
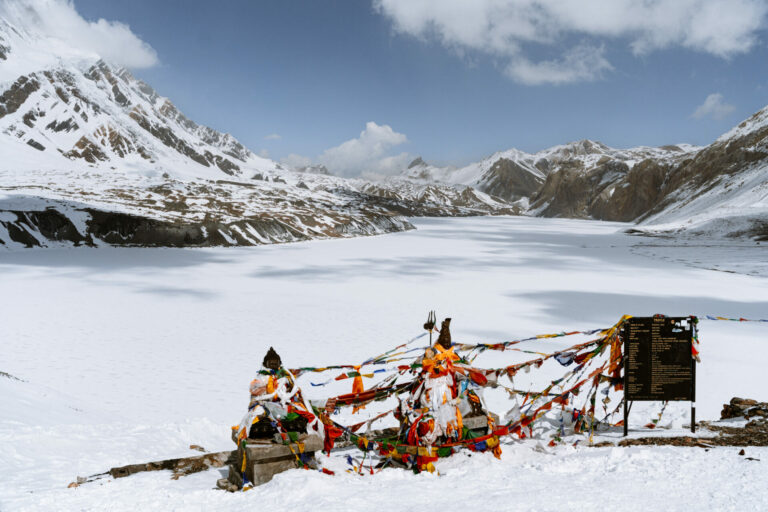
x=131 y=355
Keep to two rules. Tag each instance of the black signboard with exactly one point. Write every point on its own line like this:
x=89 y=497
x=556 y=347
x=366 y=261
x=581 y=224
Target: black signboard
x=658 y=361
x=657 y=358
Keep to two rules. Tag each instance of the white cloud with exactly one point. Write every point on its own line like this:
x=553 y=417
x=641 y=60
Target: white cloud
x=273 y=136
x=296 y=161
x=580 y=64
x=713 y=107
x=509 y=29
x=111 y=40
x=369 y=154
x=264 y=153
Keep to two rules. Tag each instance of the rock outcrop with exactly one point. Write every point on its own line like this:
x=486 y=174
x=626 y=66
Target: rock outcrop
x=509 y=180
x=744 y=408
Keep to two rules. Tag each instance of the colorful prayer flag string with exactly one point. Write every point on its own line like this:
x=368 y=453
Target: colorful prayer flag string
x=710 y=317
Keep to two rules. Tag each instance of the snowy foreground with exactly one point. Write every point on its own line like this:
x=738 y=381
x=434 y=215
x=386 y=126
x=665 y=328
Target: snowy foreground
x=131 y=355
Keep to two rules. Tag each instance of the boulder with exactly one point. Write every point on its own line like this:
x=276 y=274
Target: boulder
x=744 y=408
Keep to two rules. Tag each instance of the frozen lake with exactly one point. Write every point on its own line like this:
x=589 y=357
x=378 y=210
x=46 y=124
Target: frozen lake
x=156 y=346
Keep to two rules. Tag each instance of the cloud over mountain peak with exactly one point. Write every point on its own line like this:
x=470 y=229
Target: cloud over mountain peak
x=59 y=21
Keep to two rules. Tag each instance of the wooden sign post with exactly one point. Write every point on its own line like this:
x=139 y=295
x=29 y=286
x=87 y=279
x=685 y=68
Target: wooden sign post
x=658 y=361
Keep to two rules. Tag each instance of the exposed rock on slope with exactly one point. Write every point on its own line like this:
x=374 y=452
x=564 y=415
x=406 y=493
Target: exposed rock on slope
x=105 y=115
x=723 y=189
x=167 y=212
x=608 y=191
x=436 y=200
x=45 y=227
x=719 y=190
x=509 y=180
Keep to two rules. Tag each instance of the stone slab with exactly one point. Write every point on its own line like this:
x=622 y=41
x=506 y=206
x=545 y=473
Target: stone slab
x=264 y=459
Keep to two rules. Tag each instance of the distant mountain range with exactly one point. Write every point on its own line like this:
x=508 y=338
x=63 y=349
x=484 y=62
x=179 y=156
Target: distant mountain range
x=91 y=155
x=717 y=190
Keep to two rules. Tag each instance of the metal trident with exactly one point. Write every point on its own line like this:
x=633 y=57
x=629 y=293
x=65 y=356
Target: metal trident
x=430 y=324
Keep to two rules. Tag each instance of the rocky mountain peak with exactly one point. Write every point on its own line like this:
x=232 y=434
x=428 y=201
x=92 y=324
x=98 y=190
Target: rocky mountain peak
x=576 y=149
x=417 y=162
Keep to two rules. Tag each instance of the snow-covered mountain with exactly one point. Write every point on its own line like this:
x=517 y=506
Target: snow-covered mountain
x=513 y=174
x=583 y=183
x=77 y=109
x=717 y=190
x=90 y=154
x=720 y=189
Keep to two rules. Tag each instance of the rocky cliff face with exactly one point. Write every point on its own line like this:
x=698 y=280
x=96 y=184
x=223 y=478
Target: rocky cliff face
x=53 y=226
x=509 y=180
x=587 y=179
x=717 y=190
x=610 y=190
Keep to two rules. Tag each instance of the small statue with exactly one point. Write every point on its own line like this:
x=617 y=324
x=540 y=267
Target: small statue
x=276 y=403
x=272 y=360
x=444 y=339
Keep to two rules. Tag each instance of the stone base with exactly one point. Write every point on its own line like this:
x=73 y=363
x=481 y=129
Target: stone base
x=478 y=422
x=264 y=459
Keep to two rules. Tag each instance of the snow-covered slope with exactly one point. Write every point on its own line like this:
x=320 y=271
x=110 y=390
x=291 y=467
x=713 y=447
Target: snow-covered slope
x=455 y=200
x=92 y=155
x=722 y=190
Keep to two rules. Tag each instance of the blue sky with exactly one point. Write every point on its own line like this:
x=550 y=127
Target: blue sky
x=452 y=89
